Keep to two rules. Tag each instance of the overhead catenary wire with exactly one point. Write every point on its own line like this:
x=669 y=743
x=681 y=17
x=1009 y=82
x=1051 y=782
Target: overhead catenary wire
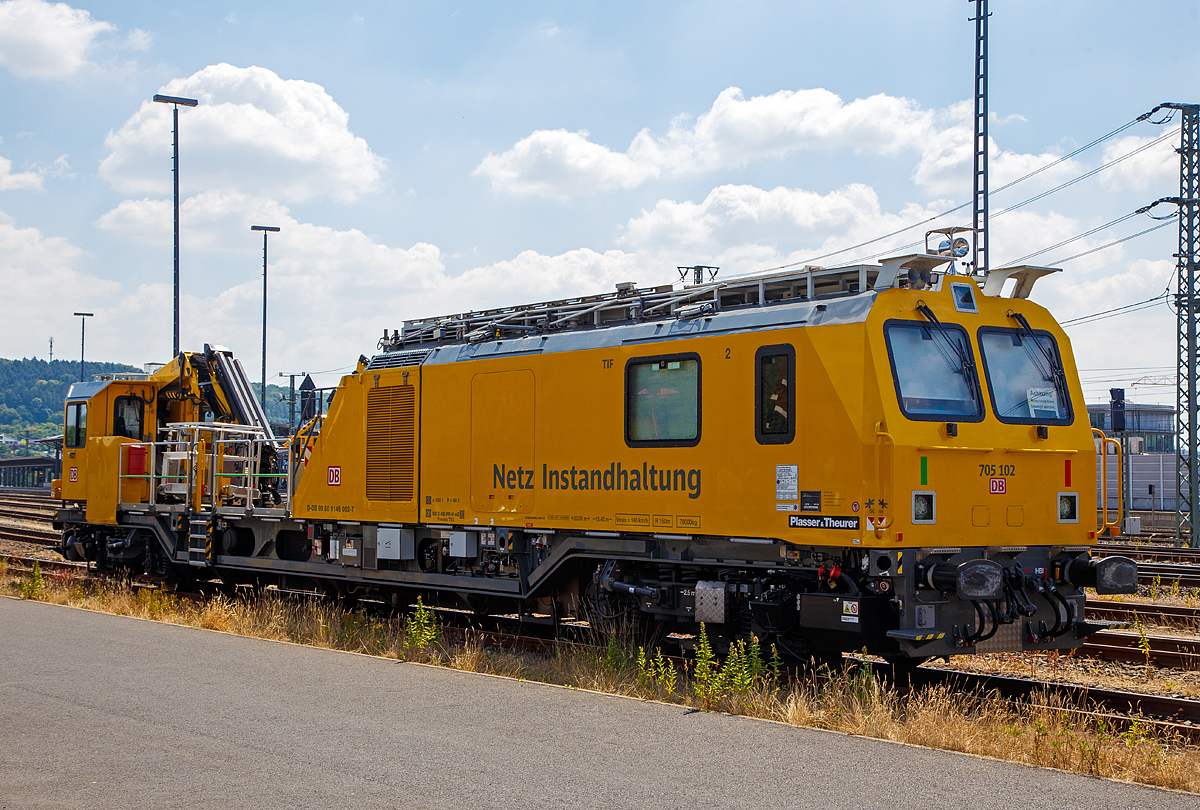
x=1008 y=185
x=1085 y=176
x=1110 y=244
x=1035 y=198
x=1161 y=298
x=1151 y=304
x=1075 y=238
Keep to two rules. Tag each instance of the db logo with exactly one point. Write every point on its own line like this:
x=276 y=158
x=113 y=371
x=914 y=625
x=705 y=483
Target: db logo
x=998 y=486
x=74 y=473
x=335 y=476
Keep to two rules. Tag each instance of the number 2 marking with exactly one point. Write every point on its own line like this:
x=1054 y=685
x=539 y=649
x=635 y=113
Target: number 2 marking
x=727 y=354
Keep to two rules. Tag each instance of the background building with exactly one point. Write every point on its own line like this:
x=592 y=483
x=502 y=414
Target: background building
x=1155 y=424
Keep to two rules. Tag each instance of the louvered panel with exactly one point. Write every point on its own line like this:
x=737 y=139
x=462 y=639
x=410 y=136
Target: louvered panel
x=391 y=443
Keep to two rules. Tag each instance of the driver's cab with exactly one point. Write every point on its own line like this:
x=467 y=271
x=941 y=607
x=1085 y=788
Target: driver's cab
x=99 y=418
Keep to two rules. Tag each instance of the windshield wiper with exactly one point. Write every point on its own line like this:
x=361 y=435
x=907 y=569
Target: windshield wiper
x=1058 y=373
x=965 y=366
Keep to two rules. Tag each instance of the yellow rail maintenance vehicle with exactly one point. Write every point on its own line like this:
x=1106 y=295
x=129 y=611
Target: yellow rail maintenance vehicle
x=890 y=457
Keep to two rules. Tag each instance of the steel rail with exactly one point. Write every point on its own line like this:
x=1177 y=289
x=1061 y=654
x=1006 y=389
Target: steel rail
x=41 y=537
x=1130 y=611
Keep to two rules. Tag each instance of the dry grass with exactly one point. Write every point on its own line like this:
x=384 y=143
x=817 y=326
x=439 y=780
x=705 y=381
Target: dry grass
x=853 y=701
x=1157 y=592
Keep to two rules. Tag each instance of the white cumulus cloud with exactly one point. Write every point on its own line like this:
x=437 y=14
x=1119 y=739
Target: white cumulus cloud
x=331 y=292
x=734 y=132
x=42 y=287
x=733 y=214
x=40 y=40
x=252 y=132
x=743 y=228
x=947 y=158
x=737 y=131
x=1154 y=167
x=138 y=40
x=21 y=180
x=561 y=164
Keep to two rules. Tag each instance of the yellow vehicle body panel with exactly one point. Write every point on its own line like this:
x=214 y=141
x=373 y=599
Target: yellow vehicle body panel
x=104 y=463
x=974 y=508
x=358 y=470
x=538 y=440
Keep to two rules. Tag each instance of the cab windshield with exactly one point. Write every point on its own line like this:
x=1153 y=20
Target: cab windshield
x=934 y=371
x=1025 y=376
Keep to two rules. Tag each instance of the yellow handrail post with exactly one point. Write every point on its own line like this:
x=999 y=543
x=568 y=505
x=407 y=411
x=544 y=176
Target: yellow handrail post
x=1105 y=524
x=885 y=493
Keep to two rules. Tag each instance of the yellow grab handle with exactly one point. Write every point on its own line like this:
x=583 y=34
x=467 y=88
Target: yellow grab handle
x=1105 y=524
x=882 y=435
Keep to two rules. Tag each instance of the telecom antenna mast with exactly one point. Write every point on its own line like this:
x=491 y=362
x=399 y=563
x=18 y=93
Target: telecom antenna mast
x=1187 y=429
x=979 y=204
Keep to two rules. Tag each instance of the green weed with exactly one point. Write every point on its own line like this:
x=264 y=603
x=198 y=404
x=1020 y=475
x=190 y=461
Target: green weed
x=34 y=587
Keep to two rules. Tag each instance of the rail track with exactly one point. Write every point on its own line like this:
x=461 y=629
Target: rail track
x=41 y=537
x=1159 y=650
x=31 y=508
x=1131 y=611
x=25 y=514
x=1151 y=552
x=18 y=497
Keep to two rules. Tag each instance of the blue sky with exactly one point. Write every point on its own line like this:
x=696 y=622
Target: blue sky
x=426 y=158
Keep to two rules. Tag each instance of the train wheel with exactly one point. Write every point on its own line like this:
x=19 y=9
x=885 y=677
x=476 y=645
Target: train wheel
x=479 y=604
x=68 y=550
x=899 y=669
x=797 y=654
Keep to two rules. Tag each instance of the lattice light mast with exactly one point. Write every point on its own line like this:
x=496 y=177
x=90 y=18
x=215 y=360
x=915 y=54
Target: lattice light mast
x=1187 y=437
x=979 y=202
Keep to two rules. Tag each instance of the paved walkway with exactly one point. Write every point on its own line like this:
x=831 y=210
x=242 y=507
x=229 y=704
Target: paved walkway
x=108 y=712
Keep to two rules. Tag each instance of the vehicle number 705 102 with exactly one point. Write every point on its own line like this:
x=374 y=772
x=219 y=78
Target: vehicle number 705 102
x=986 y=470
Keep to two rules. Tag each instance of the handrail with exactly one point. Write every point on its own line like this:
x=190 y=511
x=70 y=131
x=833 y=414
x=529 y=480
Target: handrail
x=1061 y=450
x=299 y=444
x=956 y=447
x=1105 y=525
x=882 y=435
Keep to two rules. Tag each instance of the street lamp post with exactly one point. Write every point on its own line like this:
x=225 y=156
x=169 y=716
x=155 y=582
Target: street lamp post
x=292 y=398
x=265 y=229
x=82 y=316
x=187 y=102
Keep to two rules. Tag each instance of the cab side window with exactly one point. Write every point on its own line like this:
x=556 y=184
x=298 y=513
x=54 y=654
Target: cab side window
x=127 y=417
x=775 y=394
x=75 y=434
x=662 y=401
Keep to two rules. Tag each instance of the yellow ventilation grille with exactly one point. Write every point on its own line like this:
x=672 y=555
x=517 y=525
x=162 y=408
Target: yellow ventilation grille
x=391 y=443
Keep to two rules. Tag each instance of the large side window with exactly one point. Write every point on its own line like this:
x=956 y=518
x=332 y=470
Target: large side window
x=775 y=394
x=934 y=371
x=1025 y=377
x=127 y=417
x=75 y=434
x=662 y=401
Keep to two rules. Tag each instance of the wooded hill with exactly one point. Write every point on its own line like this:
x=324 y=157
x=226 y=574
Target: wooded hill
x=32 y=394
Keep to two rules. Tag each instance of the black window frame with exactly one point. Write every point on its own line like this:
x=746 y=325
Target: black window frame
x=77 y=404
x=1069 y=419
x=664 y=358
x=980 y=414
x=117 y=401
x=775 y=350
